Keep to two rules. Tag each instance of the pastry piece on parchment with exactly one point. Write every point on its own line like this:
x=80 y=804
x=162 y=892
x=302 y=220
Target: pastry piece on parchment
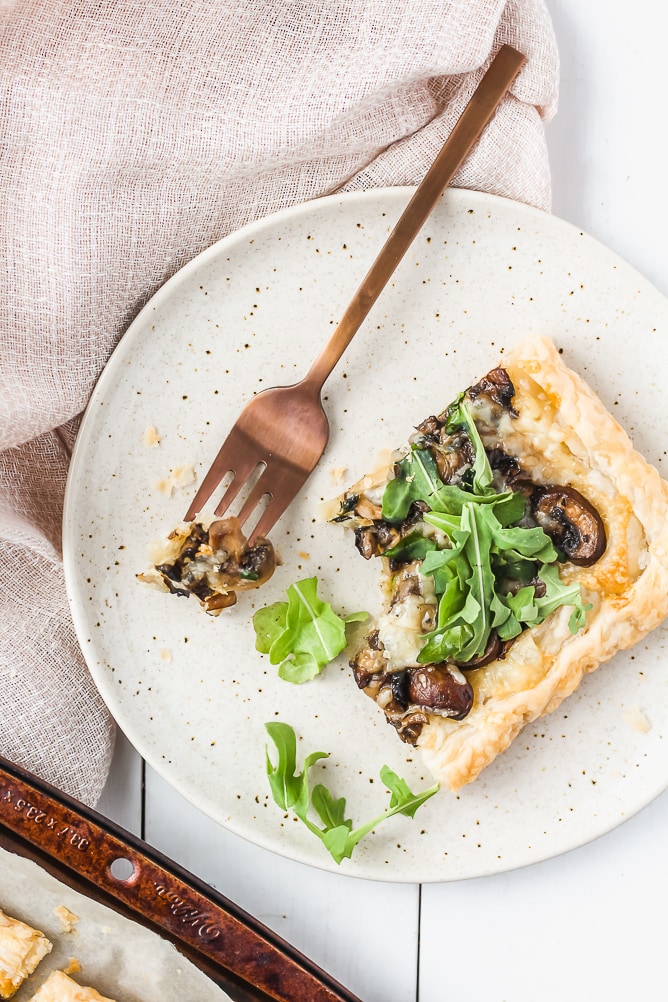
x=21 y=950
x=58 y=987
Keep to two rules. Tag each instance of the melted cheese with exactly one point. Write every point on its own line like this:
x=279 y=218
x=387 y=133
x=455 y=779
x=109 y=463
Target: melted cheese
x=401 y=628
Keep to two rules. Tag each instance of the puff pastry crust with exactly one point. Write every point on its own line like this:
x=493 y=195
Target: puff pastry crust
x=59 y=987
x=561 y=433
x=21 y=950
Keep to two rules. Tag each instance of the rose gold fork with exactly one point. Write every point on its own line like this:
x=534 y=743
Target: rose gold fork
x=284 y=430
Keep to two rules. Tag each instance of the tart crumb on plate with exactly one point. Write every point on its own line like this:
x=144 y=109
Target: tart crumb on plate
x=59 y=987
x=213 y=563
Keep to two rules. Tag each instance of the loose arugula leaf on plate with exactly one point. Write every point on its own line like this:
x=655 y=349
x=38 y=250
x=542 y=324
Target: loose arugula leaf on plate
x=290 y=790
x=303 y=634
x=403 y=800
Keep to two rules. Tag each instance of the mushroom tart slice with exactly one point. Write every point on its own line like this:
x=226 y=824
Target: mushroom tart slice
x=521 y=542
x=211 y=563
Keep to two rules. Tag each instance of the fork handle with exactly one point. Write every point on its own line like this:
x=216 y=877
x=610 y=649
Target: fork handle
x=488 y=95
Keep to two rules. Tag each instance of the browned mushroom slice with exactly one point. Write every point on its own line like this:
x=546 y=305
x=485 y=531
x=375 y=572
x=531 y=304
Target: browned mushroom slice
x=369 y=665
x=407 y=696
x=497 y=387
x=441 y=689
x=225 y=536
x=215 y=603
x=372 y=540
x=571 y=522
x=453 y=454
x=493 y=650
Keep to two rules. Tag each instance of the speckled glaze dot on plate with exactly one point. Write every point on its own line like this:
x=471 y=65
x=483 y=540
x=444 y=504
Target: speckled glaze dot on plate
x=190 y=692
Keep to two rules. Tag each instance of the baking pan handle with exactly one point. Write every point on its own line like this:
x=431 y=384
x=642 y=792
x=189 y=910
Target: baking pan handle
x=169 y=898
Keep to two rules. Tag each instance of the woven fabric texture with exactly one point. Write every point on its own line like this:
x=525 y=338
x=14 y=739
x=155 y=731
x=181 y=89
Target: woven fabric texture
x=133 y=135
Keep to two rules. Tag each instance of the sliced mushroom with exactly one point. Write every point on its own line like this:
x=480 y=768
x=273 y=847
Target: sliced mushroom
x=366 y=508
x=369 y=665
x=497 y=386
x=491 y=653
x=372 y=540
x=257 y=564
x=409 y=725
x=453 y=454
x=440 y=688
x=214 y=603
x=358 y=506
x=430 y=428
x=571 y=522
x=226 y=537
x=407 y=585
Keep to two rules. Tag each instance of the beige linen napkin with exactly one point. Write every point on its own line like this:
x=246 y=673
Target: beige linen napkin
x=132 y=136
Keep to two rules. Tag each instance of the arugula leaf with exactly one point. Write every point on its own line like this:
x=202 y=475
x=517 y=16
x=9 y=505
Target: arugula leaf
x=303 y=634
x=530 y=609
x=470 y=579
x=459 y=416
x=331 y=812
x=416 y=479
x=402 y=799
x=291 y=790
x=578 y=617
x=509 y=506
x=520 y=543
x=413 y=546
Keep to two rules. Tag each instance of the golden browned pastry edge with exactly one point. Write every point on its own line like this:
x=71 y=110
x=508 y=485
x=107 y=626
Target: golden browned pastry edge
x=58 y=987
x=21 y=950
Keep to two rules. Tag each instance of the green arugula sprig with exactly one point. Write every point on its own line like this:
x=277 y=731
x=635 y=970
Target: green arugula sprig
x=291 y=791
x=303 y=634
x=459 y=416
x=485 y=550
x=471 y=576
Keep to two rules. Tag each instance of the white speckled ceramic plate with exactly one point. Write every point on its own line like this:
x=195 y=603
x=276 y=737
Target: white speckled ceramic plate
x=190 y=691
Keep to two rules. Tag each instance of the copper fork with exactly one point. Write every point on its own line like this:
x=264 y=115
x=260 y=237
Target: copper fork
x=284 y=430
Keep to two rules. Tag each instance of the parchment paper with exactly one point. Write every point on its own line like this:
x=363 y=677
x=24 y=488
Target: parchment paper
x=118 y=957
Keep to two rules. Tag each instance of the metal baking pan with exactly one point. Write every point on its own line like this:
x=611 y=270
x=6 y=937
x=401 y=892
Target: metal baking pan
x=79 y=847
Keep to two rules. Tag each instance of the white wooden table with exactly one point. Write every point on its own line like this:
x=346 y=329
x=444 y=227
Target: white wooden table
x=584 y=926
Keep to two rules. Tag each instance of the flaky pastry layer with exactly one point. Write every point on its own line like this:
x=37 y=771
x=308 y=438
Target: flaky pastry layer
x=58 y=987
x=21 y=950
